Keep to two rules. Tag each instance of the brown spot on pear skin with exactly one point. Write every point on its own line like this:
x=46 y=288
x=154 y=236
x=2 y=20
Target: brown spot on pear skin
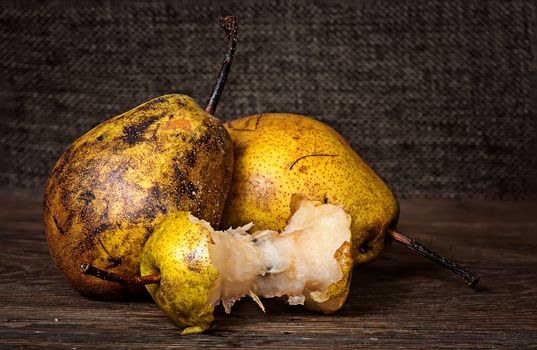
x=100 y=228
x=264 y=187
x=178 y=124
x=192 y=263
x=87 y=197
x=204 y=139
x=190 y=257
x=104 y=214
x=132 y=134
x=192 y=190
x=58 y=227
x=191 y=158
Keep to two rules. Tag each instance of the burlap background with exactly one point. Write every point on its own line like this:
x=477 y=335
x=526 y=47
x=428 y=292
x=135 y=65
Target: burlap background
x=435 y=95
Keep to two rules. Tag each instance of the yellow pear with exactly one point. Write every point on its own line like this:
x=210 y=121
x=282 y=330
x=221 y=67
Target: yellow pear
x=279 y=155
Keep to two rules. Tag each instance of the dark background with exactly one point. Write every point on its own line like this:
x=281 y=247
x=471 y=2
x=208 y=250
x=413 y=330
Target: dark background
x=435 y=95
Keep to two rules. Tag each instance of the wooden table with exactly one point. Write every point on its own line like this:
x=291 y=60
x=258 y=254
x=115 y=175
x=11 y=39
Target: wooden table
x=399 y=301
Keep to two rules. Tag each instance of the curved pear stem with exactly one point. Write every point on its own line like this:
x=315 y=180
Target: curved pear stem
x=470 y=277
x=229 y=23
x=91 y=270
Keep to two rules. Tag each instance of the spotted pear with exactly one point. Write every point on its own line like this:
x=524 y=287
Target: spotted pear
x=113 y=185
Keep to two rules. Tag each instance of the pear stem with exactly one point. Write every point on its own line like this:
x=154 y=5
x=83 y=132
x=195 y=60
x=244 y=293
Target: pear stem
x=229 y=23
x=470 y=277
x=91 y=270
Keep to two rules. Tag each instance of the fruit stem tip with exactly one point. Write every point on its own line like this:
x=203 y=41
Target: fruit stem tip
x=230 y=26
x=471 y=278
x=89 y=269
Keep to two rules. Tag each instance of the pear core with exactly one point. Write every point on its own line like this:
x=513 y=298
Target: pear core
x=310 y=262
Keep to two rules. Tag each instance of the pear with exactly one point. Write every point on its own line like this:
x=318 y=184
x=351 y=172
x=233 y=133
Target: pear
x=116 y=183
x=279 y=155
x=189 y=268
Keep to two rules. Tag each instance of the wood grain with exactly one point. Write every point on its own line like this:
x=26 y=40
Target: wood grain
x=401 y=301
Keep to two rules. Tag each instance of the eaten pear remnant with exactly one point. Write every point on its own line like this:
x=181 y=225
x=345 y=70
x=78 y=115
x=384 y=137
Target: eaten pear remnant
x=310 y=263
x=305 y=262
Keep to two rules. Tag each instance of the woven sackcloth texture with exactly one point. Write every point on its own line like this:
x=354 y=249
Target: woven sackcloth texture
x=435 y=95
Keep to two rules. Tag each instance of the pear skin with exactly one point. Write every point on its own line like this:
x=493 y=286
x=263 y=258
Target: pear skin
x=179 y=251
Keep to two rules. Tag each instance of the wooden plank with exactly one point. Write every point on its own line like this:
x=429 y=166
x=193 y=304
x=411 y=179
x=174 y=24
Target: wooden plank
x=401 y=301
